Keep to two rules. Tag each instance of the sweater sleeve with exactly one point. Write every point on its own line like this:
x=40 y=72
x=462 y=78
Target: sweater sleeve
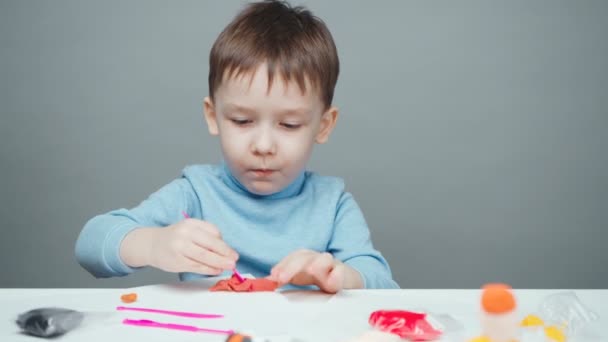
x=351 y=243
x=98 y=245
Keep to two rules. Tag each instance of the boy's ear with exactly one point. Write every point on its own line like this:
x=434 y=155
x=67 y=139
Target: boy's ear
x=328 y=122
x=210 y=116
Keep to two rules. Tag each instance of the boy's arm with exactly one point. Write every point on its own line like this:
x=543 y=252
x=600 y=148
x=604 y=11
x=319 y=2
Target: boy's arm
x=98 y=245
x=351 y=244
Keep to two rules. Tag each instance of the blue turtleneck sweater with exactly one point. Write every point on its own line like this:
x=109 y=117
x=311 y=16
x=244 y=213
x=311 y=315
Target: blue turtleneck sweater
x=314 y=212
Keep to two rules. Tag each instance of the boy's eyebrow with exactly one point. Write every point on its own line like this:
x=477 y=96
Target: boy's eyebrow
x=295 y=111
x=247 y=110
x=238 y=108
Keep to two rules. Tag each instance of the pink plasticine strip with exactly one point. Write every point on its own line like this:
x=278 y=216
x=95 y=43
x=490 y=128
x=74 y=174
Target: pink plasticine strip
x=172 y=326
x=234 y=271
x=173 y=313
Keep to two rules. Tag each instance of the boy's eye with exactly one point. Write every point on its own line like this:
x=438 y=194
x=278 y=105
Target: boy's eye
x=290 y=125
x=240 y=122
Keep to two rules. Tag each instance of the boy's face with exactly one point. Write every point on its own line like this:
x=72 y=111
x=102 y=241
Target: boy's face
x=266 y=135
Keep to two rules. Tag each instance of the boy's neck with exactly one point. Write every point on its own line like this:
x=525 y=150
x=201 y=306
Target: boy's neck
x=291 y=190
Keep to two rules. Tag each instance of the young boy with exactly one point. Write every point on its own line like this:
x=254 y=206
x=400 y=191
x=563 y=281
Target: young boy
x=271 y=81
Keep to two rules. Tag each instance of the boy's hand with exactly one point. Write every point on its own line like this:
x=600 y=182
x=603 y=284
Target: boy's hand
x=306 y=267
x=190 y=245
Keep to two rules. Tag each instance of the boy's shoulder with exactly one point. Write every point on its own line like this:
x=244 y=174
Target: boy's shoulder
x=198 y=170
x=324 y=182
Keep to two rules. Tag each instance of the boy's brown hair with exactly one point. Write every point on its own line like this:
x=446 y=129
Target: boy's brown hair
x=291 y=40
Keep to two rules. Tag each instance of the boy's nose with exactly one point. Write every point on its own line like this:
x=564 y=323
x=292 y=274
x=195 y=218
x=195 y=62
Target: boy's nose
x=264 y=143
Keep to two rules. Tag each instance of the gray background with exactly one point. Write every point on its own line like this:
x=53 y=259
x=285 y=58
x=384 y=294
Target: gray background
x=473 y=134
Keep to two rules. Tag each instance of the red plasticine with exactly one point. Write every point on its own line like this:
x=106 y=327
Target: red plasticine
x=406 y=324
x=248 y=285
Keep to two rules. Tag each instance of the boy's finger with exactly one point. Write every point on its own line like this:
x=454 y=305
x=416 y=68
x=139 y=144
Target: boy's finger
x=273 y=274
x=321 y=269
x=209 y=228
x=215 y=244
x=209 y=258
x=196 y=267
x=278 y=268
x=334 y=281
x=322 y=265
x=293 y=267
x=204 y=226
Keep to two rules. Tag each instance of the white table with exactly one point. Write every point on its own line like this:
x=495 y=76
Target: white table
x=309 y=316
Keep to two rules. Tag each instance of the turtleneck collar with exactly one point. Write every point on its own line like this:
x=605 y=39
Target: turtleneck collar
x=291 y=190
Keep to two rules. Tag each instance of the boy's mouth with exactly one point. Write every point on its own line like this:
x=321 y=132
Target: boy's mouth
x=262 y=172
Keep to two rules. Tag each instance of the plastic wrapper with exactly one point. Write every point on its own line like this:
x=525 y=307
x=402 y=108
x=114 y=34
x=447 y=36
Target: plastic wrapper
x=560 y=317
x=414 y=325
x=565 y=310
x=49 y=322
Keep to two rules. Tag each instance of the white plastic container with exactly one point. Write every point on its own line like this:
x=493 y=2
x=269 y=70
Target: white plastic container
x=499 y=319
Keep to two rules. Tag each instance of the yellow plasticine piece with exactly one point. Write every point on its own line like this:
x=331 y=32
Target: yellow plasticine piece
x=532 y=321
x=480 y=339
x=555 y=334
x=484 y=339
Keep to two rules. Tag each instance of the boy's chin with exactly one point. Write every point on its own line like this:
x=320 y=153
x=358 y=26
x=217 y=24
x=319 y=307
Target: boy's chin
x=263 y=188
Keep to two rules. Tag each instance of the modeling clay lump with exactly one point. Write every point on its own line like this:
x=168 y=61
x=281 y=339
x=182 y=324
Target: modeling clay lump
x=129 y=298
x=248 y=285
